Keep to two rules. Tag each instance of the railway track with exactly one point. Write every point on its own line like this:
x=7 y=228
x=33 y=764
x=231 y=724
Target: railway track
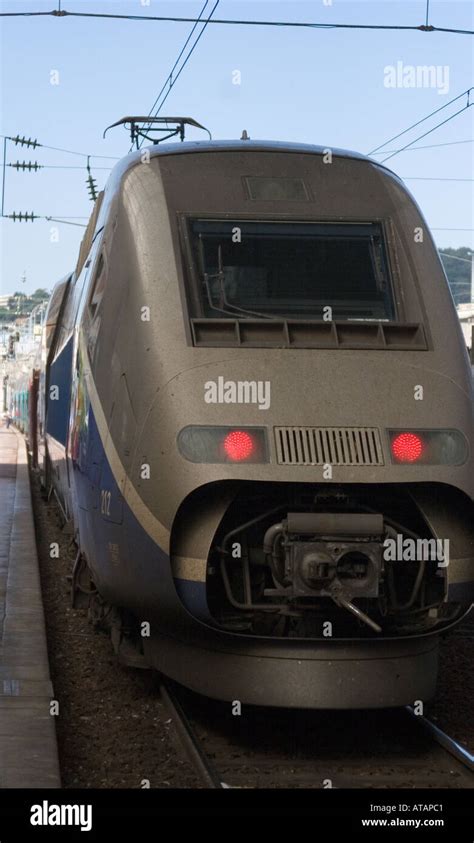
x=272 y=748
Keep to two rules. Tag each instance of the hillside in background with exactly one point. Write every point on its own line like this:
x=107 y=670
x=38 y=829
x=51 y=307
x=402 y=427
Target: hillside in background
x=19 y=304
x=458 y=272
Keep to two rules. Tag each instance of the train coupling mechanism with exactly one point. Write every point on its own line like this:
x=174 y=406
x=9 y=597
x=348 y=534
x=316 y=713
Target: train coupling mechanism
x=336 y=555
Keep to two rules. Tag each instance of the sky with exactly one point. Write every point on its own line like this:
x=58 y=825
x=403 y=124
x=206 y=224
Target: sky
x=65 y=79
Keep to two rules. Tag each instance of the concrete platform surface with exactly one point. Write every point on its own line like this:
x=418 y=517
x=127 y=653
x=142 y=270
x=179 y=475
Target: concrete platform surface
x=28 y=747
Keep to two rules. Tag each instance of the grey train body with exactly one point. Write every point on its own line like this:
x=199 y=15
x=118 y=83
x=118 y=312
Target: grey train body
x=237 y=451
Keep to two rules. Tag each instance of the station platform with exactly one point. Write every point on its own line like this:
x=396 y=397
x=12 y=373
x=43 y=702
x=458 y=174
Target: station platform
x=28 y=747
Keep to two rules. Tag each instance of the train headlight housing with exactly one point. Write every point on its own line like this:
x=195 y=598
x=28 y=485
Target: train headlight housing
x=236 y=445
x=428 y=447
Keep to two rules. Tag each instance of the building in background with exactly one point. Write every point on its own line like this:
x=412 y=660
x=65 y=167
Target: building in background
x=466 y=317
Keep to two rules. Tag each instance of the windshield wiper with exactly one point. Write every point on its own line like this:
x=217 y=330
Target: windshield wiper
x=224 y=305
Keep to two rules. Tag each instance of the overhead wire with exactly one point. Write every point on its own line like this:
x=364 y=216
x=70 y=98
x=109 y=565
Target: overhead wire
x=426 y=146
x=429 y=132
x=170 y=75
x=241 y=22
x=68 y=151
x=423 y=119
x=169 y=80
x=64 y=221
x=430 y=178
x=189 y=55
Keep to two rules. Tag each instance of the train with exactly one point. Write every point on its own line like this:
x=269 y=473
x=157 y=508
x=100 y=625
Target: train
x=256 y=414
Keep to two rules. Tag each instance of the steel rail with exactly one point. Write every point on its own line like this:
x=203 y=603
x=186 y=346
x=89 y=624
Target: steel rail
x=189 y=740
x=449 y=744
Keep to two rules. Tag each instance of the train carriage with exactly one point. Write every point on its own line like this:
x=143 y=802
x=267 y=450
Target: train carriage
x=264 y=425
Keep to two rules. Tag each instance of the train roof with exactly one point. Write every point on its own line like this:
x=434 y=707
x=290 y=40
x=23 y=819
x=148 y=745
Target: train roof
x=246 y=145
x=187 y=147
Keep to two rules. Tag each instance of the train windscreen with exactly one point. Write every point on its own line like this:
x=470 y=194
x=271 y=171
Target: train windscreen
x=294 y=270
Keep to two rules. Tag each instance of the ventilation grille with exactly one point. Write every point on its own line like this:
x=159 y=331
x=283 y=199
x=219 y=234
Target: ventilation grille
x=301 y=333
x=332 y=445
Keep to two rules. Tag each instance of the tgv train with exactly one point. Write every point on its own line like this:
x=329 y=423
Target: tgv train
x=258 y=419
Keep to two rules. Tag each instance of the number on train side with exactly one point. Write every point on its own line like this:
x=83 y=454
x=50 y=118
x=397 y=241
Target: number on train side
x=105 y=498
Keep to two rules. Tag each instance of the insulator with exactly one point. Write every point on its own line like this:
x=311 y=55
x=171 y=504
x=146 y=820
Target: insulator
x=26 y=165
x=23 y=217
x=24 y=142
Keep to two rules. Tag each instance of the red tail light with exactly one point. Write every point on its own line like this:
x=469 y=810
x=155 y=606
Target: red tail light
x=200 y=443
x=239 y=445
x=407 y=447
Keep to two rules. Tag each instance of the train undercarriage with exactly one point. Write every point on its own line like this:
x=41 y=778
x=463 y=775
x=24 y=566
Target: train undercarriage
x=307 y=562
